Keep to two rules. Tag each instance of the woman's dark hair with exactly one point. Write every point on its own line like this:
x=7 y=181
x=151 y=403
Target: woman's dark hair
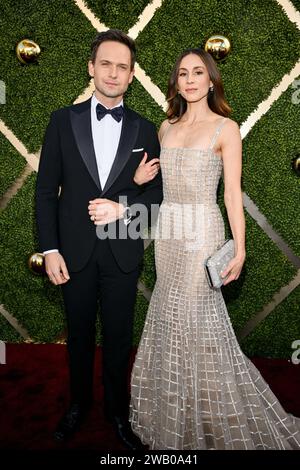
x=113 y=35
x=216 y=100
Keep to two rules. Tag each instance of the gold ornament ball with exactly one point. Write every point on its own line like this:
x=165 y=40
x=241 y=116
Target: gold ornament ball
x=218 y=46
x=296 y=164
x=27 y=51
x=36 y=263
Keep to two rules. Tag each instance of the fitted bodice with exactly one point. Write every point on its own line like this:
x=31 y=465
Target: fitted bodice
x=190 y=176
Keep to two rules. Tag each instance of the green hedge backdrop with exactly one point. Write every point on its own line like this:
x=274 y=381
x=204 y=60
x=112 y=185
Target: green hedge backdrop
x=265 y=46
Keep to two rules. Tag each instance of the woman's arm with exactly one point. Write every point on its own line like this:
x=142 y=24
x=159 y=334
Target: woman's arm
x=147 y=171
x=231 y=149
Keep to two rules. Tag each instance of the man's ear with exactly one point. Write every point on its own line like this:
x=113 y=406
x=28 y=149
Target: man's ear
x=91 y=68
x=131 y=75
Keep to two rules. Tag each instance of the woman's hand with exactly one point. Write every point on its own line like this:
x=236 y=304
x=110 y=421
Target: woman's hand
x=146 y=171
x=233 y=270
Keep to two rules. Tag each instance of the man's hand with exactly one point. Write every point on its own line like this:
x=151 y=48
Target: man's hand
x=56 y=268
x=104 y=211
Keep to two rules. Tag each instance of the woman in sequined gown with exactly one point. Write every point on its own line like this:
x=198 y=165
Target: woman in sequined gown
x=192 y=387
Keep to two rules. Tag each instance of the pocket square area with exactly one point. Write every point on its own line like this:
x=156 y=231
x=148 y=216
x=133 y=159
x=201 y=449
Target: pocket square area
x=138 y=150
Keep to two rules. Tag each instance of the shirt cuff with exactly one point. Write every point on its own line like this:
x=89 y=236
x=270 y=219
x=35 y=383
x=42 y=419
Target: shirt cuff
x=50 y=251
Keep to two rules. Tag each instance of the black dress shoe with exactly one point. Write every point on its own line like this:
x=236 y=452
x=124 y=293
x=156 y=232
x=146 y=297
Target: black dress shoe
x=70 y=422
x=125 y=433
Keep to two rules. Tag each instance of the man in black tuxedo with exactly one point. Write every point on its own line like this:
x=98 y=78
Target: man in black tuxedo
x=85 y=180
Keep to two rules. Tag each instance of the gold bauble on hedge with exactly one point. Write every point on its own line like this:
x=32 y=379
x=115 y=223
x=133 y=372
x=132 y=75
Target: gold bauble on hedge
x=27 y=51
x=296 y=164
x=36 y=263
x=218 y=46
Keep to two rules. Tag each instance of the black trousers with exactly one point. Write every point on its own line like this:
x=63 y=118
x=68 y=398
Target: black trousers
x=102 y=281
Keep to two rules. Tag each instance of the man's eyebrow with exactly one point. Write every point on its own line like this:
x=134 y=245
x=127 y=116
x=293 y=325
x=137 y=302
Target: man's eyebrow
x=109 y=62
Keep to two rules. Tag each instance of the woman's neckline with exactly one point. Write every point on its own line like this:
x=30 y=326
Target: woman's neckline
x=194 y=149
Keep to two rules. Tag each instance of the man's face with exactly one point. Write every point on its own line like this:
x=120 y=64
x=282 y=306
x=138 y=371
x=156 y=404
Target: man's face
x=111 y=70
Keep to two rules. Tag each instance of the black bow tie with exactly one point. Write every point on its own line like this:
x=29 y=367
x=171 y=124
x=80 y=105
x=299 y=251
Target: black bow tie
x=117 y=113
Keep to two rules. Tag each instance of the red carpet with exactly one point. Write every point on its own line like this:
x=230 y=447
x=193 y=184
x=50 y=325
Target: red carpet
x=34 y=394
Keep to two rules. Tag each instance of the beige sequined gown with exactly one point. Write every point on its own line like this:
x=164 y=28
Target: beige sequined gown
x=191 y=386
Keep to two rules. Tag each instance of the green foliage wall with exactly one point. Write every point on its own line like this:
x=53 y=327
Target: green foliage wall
x=265 y=47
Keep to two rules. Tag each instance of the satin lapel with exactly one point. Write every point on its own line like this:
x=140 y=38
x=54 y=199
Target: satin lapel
x=128 y=137
x=82 y=128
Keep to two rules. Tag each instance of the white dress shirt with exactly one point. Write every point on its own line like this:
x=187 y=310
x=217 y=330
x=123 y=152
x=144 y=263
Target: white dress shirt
x=106 y=137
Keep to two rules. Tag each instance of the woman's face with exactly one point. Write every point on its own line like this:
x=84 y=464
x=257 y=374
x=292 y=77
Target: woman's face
x=193 y=79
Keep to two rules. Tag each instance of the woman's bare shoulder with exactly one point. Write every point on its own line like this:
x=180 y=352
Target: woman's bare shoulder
x=163 y=127
x=231 y=124
x=230 y=134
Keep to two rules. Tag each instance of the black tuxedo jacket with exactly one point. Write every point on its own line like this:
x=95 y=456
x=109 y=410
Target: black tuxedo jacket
x=68 y=179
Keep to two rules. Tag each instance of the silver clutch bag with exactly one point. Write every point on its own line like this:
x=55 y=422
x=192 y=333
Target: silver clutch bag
x=217 y=262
